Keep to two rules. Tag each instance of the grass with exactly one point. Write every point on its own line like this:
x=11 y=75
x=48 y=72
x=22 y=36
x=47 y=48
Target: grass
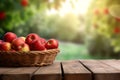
x=72 y=51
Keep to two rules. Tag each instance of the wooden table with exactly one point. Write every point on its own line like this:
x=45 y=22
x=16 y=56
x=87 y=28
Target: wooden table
x=66 y=70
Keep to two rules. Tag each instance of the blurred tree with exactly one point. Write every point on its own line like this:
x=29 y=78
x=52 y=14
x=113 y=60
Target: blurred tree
x=67 y=27
x=101 y=23
x=16 y=12
x=53 y=26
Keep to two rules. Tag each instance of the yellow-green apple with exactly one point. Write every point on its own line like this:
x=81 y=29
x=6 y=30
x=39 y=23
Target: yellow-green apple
x=5 y=46
x=31 y=37
x=24 y=47
x=9 y=37
x=52 y=44
x=37 y=45
x=16 y=43
x=23 y=38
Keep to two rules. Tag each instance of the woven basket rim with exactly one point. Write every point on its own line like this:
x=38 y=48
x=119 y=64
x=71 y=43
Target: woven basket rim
x=33 y=52
x=31 y=58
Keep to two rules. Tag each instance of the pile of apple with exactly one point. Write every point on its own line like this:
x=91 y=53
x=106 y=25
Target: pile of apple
x=32 y=42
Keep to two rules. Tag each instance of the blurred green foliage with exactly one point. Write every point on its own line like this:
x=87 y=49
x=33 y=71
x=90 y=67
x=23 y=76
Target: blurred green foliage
x=104 y=29
x=15 y=13
x=33 y=19
x=54 y=26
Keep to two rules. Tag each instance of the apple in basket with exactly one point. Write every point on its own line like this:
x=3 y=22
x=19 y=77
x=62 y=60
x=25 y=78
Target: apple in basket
x=16 y=43
x=43 y=41
x=51 y=44
x=31 y=37
x=19 y=44
x=32 y=50
x=1 y=41
x=37 y=45
x=24 y=47
x=5 y=46
x=9 y=37
x=32 y=42
x=23 y=38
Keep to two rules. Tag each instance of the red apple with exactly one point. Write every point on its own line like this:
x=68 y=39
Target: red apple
x=117 y=19
x=52 y=44
x=43 y=41
x=16 y=43
x=24 y=3
x=1 y=41
x=116 y=30
x=2 y=15
x=31 y=38
x=5 y=46
x=9 y=37
x=12 y=50
x=37 y=45
x=106 y=11
x=24 y=47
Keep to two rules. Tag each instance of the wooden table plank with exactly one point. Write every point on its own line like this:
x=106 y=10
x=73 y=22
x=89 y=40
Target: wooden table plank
x=23 y=73
x=112 y=63
x=51 y=72
x=3 y=70
x=74 y=70
x=102 y=71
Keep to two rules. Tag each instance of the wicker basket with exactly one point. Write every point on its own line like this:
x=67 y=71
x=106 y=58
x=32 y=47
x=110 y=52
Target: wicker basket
x=32 y=58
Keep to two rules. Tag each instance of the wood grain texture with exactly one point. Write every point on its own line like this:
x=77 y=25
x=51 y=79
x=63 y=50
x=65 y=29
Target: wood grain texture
x=112 y=63
x=3 y=70
x=69 y=70
x=74 y=70
x=102 y=71
x=51 y=72
x=19 y=73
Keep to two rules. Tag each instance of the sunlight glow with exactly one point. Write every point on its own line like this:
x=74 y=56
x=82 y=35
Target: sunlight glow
x=50 y=1
x=71 y=6
x=51 y=11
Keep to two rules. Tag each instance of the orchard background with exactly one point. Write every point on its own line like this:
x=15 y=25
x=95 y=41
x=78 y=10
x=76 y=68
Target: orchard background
x=86 y=29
